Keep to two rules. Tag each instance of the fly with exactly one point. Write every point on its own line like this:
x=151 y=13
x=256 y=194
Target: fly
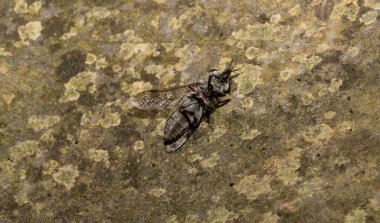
x=194 y=103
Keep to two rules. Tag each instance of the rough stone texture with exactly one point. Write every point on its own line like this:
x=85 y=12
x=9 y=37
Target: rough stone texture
x=299 y=142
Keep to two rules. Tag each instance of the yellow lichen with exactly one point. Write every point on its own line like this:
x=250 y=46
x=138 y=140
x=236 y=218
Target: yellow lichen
x=172 y=219
x=307 y=98
x=70 y=94
x=81 y=81
x=38 y=123
x=249 y=79
x=8 y=173
x=23 y=150
x=22 y=196
x=295 y=11
x=275 y=18
x=30 y=31
x=321 y=48
x=21 y=7
x=116 y=68
x=375 y=4
x=192 y=218
x=157 y=192
x=35 y=7
x=369 y=17
x=269 y=217
x=329 y=115
x=220 y=215
x=319 y=134
x=247 y=102
x=251 y=52
x=251 y=134
x=4 y=53
x=168 y=46
x=142 y=50
x=8 y=98
x=345 y=126
x=309 y=61
x=212 y=161
x=90 y=58
x=73 y=32
x=375 y=202
x=101 y=63
x=335 y=85
x=186 y=55
x=286 y=74
x=218 y=132
x=253 y=186
x=76 y=84
x=136 y=87
x=348 y=8
x=356 y=216
x=66 y=176
x=110 y=120
x=286 y=168
x=50 y=167
x=4 y=68
x=99 y=155
x=259 y=32
x=139 y=145
x=160 y=1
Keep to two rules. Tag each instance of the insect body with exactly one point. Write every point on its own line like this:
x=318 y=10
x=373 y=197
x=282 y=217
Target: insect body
x=194 y=102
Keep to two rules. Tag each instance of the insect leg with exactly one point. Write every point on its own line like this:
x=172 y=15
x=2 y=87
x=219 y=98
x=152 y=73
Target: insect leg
x=209 y=85
x=221 y=103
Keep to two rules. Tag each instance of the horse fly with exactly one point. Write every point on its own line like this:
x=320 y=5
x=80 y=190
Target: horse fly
x=194 y=103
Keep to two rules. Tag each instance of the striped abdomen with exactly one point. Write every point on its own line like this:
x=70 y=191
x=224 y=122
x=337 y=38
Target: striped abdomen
x=182 y=123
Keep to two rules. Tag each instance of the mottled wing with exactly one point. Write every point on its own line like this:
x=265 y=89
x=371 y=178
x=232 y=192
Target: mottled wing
x=160 y=99
x=171 y=147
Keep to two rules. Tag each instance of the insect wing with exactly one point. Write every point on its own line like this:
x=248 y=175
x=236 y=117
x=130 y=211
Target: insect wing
x=179 y=142
x=160 y=99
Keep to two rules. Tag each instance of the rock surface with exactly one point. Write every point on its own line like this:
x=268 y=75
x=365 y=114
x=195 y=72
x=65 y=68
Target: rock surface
x=299 y=142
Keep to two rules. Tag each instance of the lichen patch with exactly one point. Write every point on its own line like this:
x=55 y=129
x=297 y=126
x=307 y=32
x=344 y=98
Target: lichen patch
x=356 y=216
x=66 y=176
x=212 y=161
x=157 y=192
x=99 y=155
x=23 y=150
x=220 y=215
x=249 y=79
x=38 y=123
x=252 y=186
x=76 y=84
x=251 y=134
x=369 y=17
x=270 y=217
x=4 y=53
x=348 y=8
x=139 y=145
x=30 y=31
x=111 y=119
x=319 y=134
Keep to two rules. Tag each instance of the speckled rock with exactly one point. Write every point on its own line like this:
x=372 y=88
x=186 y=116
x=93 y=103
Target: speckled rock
x=298 y=142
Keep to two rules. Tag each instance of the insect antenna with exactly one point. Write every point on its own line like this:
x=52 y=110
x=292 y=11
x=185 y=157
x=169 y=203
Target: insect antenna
x=230 y=65
x=236 y=70
x=236 y=75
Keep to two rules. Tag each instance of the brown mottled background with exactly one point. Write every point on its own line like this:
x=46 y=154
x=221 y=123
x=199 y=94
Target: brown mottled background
x=299 y=142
